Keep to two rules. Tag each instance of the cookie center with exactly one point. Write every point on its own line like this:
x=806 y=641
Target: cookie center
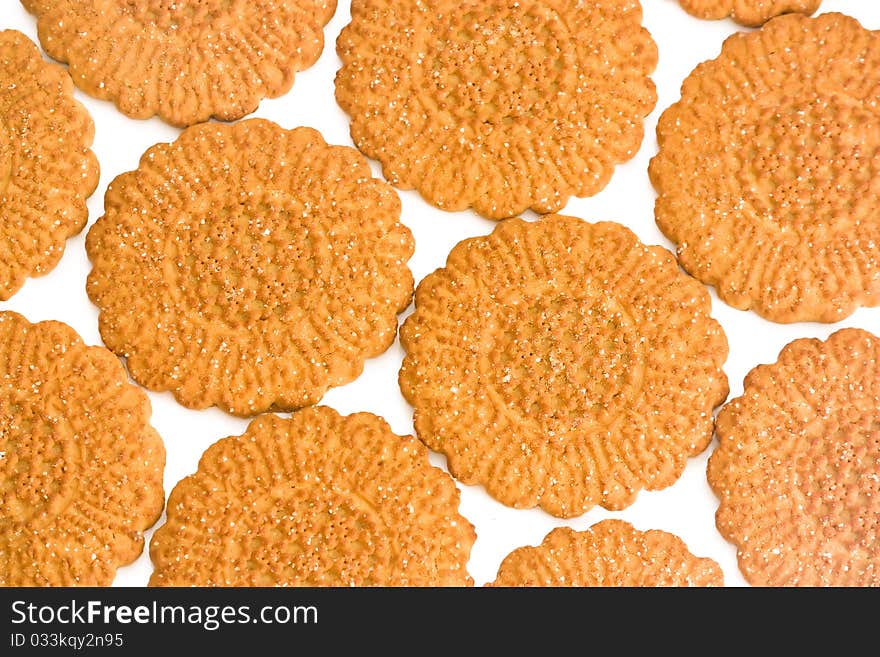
x=561 y=360
x=333 y=539
x=838 y=479
x=493 y=67
x=38 y=454
x=175 y=14
x=814 y=162
x=239 y=264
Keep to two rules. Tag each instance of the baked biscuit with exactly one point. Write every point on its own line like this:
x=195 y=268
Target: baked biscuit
x=80 y=466
x=249 y=267
x=563 y=364
x=318 y=499
x=497 y=105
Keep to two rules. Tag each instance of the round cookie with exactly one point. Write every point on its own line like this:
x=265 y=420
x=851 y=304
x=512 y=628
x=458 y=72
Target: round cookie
x=563 y=364
x=611 y=553
x=183 y=60
x=797 y=467
x=317 y=499
x=748 y=12
x=774 y=200
x=80 y=466
x=47 y=170
x=494 y=104
x=249 y=267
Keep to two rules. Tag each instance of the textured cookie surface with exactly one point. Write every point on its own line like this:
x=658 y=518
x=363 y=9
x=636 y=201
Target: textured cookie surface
x=80 y=466
x=611 y=553
x=797 y=467
x=46 y=168
x=318 y=499
x=184 y=60
x=493 y=104
x=748 y=12
x=774 y=200
x=563 y=364
x=249 y=267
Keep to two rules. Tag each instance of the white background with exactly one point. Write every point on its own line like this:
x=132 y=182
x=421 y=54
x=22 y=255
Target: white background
x=687 y=508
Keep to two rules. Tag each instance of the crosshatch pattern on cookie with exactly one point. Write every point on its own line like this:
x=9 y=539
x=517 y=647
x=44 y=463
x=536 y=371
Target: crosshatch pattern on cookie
x=249 y=267
x=496 y=105
x=774 y=200
x=318 y=499
x=563 y=364
x=80 y=466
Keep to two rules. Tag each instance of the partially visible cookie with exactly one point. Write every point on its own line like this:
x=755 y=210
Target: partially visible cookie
x=184 y=60
x=318 y=499
x=47 y=170
x=80 y=466
x=611 y=553
x=249 y=267
x=497 y=105
x=768 y=172
x=797 y=467
x=748 y=12
x=563 y=364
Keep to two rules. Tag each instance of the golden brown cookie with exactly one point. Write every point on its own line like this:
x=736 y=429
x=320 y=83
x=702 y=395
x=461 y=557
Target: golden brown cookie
x=80 y=466
x=318 y=499
x=563 y=364
x=494 y=104
x=797 y=467
x=184 y=60
x=611 y=553
x=249 y=267
x=748 y=12
x=768 y=172
x=46 y=168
